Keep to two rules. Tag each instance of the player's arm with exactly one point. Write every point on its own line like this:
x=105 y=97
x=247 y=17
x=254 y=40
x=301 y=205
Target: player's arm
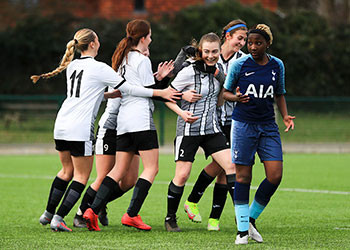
x=282 y=107
x=187 y=116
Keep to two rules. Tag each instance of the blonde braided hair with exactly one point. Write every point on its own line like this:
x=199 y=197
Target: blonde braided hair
x=267 y=29
x=80 y=42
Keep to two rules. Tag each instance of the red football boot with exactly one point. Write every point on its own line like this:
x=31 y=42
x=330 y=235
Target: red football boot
x=135 y=222
x=91 y=220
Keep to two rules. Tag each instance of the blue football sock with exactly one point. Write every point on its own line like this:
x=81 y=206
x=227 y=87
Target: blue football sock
x=255 y=209
x=241 y=196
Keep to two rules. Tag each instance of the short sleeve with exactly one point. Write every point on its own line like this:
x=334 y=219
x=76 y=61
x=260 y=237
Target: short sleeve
x=232 y=76
x=145 y=72
x=280 y=88
x=183 y=79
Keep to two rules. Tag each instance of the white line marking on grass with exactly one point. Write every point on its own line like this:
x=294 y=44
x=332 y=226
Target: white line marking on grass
x=342 y=228
x=298 y=190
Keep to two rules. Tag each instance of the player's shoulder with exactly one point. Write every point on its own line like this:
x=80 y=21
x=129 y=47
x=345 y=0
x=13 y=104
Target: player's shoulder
x=136 y=58
x=277 y=61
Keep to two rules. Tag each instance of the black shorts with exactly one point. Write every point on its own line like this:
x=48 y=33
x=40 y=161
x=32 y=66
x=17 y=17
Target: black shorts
x=227 y=132
x=106 y=144
x=137 y=141
x=76 y=148
x=186 y=146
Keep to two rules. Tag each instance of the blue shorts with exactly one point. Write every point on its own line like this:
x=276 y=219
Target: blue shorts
x=248 y=139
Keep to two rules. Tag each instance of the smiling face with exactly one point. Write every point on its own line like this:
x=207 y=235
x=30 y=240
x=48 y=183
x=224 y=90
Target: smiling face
x=257 y=46
x=237 y=40
x=210 y=52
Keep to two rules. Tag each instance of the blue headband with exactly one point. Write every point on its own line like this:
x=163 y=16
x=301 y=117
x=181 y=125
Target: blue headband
x=235 y=27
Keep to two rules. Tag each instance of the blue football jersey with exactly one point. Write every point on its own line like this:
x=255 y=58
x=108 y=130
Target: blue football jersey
x=260 y=83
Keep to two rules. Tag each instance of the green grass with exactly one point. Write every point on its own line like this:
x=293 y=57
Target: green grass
x=293 y=220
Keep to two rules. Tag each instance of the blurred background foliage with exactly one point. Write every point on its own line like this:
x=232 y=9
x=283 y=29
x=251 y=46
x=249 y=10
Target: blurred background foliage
x=316 y=54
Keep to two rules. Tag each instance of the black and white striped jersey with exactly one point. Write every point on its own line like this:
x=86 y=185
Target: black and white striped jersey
x=136 y=113
x=190 y=78
x=225 y=111
x=86 y=82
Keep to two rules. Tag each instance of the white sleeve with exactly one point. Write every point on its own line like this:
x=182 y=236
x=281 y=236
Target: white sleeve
x=144 y=70
x=184 y=78
x=116 y=81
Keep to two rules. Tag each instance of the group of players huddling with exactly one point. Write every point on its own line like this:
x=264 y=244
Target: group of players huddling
x=225 y=107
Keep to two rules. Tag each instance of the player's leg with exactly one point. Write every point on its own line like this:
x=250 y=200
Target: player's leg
x=104 y=164
x=58 y=187
x=270 y=153
x=107 y=187
x=142 y=186
x=185 y=151
x=82 y=158
x=219 y=200
x=146 y=142
x=203 y=181
x=243 y=149
x=219 y=190
x=175 y=191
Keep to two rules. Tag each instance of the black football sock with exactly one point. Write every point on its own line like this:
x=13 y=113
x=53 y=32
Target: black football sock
x=103 y=194
x=138 y=197
x=199 y=187
x=174 y=197
x=219 y=199
x=117 y=192
x=71 y=197
x=57 y=190
x=88 y=198
x=230 y=179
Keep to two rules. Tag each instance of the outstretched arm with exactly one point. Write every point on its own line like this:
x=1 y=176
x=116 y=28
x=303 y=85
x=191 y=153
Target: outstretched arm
x=282 y=107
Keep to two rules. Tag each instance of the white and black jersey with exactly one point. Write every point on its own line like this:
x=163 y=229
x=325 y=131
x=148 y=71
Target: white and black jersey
x=136 y=113
x=225 y=111
x=108 y=119
x=86 y=82
x=190 y=78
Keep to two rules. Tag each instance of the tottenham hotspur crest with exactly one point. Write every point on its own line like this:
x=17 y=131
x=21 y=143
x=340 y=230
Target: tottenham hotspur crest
x=273 y=75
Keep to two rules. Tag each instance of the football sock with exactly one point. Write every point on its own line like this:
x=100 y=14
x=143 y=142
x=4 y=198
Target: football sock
x=103 y=194
x=58 y=187
x=230 y=179
x=174 y=197
x=117 y=192
x=88 y=198
x=219 y=199
x=138 y=197
x=201 y=184
x=262 y=197
x=241 y=199
x=71 y=197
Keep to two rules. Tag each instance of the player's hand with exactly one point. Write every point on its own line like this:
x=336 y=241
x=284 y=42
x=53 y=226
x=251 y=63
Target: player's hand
x=164 y=68
x=240 y=97
x=288 y=121
x=191 y=95
x=187 y=116
x=113 y=94
x=170 y=94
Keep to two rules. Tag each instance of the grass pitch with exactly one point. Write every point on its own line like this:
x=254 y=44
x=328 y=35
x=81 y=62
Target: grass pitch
x=310 y=210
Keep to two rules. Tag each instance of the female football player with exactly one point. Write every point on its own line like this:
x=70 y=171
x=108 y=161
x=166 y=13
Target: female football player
x=234 y=35
x=136 y=131
x=260 y=76
x=74 y=125
x=197 y=124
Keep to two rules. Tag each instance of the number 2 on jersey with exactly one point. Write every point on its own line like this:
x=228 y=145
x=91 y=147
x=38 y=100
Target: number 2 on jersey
x=72 y=78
